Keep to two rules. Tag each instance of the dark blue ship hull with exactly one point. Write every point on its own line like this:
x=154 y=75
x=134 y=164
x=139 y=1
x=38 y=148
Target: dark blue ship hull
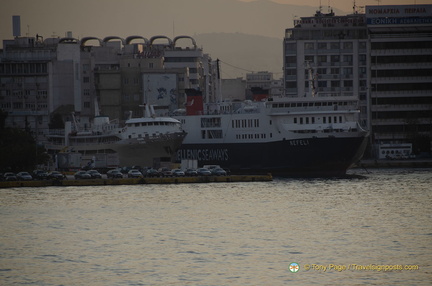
x=305 y=157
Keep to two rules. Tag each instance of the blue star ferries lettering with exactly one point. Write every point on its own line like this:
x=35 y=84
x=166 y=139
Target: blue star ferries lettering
x=203 y=154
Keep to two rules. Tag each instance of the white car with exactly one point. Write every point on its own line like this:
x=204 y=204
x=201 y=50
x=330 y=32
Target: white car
x=134 y=174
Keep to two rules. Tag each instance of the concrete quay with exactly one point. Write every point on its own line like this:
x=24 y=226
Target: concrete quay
x=409 y=163
x=138 y=181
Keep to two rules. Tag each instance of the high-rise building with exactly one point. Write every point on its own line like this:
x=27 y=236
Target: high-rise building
x=382 y=58
x=400 y=75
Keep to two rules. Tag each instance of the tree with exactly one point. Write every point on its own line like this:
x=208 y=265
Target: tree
x=18 y=149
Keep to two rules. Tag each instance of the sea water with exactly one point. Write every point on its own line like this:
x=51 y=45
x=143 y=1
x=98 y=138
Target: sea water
x=374 y=228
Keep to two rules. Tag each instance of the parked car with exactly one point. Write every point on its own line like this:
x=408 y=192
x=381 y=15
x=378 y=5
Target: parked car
x=203 y=172
x=40 y=175
x=134 y=174
x=178 y=173
x=114 y=174
x=94 y=174
x=82 y=175
x=218 y=172
x=153 y=173
x=191 y=172
x=24 y=176
x=166 y=172
x=56 y=175
x=9 y=176
x=125 y=170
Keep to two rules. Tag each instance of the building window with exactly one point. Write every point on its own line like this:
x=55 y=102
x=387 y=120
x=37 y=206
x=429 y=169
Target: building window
x=322 y=71
x=309 y=46
x=347 y=71
x=347 y=45
x=322 y=46
x=291 y=72
x=335 y=58
x=348 y=59
x=348 y=83
x=309 y=59
x=335 y=83
x=322 y=59
x=334 y=46
x=290 y=46
x=322 y=83
x=290 y=59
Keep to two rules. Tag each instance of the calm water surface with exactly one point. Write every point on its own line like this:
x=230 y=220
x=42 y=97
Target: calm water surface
x=221 y=233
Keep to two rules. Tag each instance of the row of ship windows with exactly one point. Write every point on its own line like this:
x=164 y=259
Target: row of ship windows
x=150 y=124
x=305 y=104
x=245 y=123
x=328 y=119
x=252 y=136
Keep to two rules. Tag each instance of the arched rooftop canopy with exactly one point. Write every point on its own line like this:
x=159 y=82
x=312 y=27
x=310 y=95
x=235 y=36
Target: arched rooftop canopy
x=152 y=39
x=109 y=38
x=185 y=37
x=85 y=39
x=69 y=40
x=131 y=38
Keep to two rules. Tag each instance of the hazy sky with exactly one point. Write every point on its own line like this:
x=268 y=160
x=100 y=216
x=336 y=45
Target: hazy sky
x=53 y=18
x=347 y=5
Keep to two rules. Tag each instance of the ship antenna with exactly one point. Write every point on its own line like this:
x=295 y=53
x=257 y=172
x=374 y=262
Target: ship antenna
x=311 y=80
x=77 y=127
x=97 y=111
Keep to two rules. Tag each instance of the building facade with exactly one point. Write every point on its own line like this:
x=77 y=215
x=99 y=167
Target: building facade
x=381 y=58
x=112 y=76
x=400 y=75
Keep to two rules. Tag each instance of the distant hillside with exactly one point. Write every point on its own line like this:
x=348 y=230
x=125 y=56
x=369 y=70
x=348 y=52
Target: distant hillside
x=242 y=53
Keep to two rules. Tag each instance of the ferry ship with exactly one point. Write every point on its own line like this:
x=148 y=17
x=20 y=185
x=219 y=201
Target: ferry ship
x=304 y=136
x=140 y=141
